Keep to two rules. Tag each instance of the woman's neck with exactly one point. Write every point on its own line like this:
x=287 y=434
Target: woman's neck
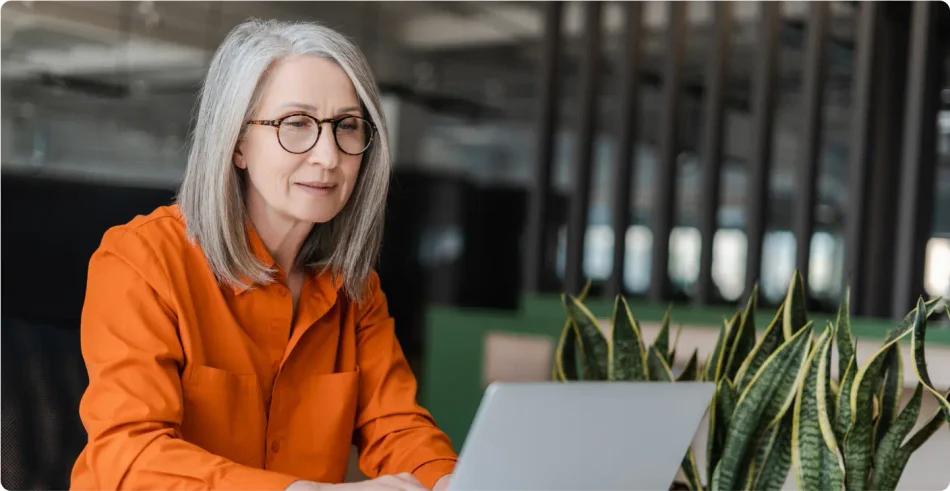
x=282 y=236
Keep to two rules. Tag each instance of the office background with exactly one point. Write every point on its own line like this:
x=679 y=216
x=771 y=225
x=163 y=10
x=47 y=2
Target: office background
x=670 y=151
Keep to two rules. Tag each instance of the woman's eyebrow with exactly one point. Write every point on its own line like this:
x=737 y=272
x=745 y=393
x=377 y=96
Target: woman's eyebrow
x=313 y=109
x=300 y=105
x=349 y=109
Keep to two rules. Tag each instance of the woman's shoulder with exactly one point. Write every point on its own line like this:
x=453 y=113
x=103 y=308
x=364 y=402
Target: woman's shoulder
x=156 y=236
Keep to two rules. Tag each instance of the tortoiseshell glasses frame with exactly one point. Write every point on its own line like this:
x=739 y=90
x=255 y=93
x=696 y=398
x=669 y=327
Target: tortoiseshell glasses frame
x=299 y=137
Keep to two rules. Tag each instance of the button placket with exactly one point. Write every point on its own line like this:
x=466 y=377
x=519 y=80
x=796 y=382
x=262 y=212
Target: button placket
x=281 y=325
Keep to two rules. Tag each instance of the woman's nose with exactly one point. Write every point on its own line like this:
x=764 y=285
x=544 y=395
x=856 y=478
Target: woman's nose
x=325 y=152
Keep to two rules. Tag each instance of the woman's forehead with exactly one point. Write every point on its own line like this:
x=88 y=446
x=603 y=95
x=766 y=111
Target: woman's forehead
x=309 y=83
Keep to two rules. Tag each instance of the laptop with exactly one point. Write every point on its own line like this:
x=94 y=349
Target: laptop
x=580 y=435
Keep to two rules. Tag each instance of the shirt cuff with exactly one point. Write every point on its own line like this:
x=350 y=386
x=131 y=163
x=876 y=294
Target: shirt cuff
x=430 y=472
x=242 y=478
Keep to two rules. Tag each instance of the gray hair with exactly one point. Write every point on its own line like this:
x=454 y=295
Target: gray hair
x=211 y=196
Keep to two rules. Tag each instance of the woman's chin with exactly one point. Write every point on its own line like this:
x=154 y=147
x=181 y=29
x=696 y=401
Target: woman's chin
x=316 y=216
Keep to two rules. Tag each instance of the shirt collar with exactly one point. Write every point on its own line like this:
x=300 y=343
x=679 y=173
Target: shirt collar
x=257 y=245
x=324 y=280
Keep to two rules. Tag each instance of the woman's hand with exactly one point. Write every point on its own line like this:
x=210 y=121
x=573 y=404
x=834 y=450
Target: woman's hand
x=397 y=482
x=443 y=483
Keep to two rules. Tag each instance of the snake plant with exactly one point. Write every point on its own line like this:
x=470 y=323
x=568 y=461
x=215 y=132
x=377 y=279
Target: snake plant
x=775 y=406
x=838 y=440
x=584 y=353
x=750 y=426
x=749 y=440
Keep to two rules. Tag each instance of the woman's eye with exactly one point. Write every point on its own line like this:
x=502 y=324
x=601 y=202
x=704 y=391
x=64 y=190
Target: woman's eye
x=350 y=124
x=297 y=122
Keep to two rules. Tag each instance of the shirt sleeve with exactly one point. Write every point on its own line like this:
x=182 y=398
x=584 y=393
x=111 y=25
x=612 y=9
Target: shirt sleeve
x=132 y=408
x=394 y=434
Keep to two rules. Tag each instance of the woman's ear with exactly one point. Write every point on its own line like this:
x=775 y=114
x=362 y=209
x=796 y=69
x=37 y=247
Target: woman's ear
x=238 y=158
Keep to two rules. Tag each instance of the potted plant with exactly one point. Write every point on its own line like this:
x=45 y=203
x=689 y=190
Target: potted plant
x=775 y=402
x=584 y=353
x=839 y=440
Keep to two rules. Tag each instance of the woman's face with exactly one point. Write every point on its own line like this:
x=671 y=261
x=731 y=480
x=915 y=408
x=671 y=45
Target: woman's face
x=312 y=186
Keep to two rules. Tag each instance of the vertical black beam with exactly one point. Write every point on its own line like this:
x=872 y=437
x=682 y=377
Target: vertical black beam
x=862 y=114
x=664 y=190
x=716 y=70
x=583 y=161
x=812 y=99
x=763 y=109
x=915 y=203
x=627 y=140
x=889 y=74
x=535 y=257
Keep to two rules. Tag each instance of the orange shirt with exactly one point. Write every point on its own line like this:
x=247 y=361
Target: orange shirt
x=197 y=386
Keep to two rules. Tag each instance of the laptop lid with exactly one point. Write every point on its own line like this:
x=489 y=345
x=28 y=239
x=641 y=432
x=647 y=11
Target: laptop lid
x=580 y=435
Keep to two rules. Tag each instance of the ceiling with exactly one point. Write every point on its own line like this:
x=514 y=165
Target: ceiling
x=465 y=49
x=139 y=63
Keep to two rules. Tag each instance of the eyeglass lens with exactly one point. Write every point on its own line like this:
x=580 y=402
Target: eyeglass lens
x=299 y=133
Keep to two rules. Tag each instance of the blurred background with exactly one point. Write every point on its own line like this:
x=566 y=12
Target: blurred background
x=669 y=151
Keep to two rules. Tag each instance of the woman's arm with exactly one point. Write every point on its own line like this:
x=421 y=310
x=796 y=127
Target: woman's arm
x=394 y=434
x=132 y=409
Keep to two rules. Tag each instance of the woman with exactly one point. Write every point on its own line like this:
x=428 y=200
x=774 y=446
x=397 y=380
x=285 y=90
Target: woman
x=240 y=339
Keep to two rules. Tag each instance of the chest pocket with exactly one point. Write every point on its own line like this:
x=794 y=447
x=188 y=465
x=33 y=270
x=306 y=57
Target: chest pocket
x=324 y=423
x=224 y=414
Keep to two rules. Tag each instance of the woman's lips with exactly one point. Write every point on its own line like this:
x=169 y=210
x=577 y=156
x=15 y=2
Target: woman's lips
x=316 y=188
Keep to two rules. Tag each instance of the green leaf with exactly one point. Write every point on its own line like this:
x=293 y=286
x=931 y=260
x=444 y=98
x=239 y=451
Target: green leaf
x=843 y=400
x=732 y=332
x=627 y=359
x=890 y=394
x=901 y=457
x=761 y=405
x=859 y=439
x=887 y=465
x=720 y=414
x=917 y=339
x=662 y=341
x=774 y=456
x=711 y=371
x=923 y=434
x=776 y=406
x=690 y=372
x=795 y=316
x=817 y=461
x=772 y=338
x=671 y=358
x=899 y=461
x=658 y=369
x=743 y=339
x=691 y=471
x=584 y=291
x=592 y=342
x=843 y=336
x=565 y=361
x=831 y=389
x=907 y=323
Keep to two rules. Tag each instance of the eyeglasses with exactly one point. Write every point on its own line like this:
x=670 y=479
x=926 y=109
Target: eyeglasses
x=298 y=133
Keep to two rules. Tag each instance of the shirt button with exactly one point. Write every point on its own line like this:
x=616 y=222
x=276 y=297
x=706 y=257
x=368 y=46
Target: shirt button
x=282 y=291
x=275 y=446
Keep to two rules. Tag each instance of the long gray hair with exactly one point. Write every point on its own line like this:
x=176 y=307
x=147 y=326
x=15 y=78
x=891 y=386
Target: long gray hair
x=211 y=196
